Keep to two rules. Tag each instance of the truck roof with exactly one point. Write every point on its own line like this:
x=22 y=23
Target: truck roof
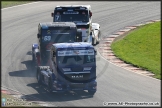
x=57 y=24
x=73 y=45
x=87 y=6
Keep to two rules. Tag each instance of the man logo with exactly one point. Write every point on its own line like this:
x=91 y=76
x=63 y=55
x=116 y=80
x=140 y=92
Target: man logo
x=48 y=32
x=77 y=76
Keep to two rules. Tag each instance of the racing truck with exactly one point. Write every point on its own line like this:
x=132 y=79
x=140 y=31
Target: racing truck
x=50 y=33
x=81 y=15
x=72 y=68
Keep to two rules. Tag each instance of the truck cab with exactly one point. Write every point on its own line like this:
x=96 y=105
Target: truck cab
x=72 y=67
x=81 y=15
x=50 y=33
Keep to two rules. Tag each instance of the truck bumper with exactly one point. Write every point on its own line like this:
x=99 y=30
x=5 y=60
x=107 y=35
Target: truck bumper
x=92 y=86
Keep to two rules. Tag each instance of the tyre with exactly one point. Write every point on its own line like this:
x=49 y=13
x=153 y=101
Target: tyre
x=50 y=85
x=39 y=77
x=33 y=60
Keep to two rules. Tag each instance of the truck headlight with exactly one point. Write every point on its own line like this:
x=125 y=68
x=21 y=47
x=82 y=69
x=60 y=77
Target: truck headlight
x=66 y=69
x=87 y=68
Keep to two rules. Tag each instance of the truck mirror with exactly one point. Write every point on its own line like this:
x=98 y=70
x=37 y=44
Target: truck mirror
x=90 y=33
x=90 y=13
x=51 y=14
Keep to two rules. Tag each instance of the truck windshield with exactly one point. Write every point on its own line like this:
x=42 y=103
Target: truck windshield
x=78 y=59
x=72 y=16
x=70 y=57
x=58 y=38
x=55 y=36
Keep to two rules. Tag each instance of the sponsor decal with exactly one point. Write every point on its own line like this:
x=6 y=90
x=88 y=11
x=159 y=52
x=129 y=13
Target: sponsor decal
x=70 y=12
x=75 y=52
x=90 y=52
x=68 y=52
x=60 y=53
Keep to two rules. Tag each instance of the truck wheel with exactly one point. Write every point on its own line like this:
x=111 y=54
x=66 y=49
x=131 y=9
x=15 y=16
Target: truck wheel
x=91 y=92
x=50 y=85
x=33 y=60
x=39 y=78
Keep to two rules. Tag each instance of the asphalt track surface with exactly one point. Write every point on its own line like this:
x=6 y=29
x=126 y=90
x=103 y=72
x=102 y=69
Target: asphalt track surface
x=19 y=31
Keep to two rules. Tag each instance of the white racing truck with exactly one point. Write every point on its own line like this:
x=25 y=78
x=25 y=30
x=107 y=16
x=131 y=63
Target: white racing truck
x=81 y=15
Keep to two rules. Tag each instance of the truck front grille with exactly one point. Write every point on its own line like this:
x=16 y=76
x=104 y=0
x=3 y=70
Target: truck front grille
x=77 y=69
x=78 y=78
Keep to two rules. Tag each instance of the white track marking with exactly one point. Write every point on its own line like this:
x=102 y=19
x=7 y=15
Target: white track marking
x=19 y=5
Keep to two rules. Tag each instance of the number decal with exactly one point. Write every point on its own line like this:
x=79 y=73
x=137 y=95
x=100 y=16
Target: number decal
x=47 y=38
x=57 y=17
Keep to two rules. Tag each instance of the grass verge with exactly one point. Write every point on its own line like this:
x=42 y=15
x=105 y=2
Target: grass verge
x=11 y=101
x=141 y=47
x=5 y=4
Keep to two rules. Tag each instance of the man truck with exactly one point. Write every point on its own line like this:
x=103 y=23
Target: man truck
x=72 y=67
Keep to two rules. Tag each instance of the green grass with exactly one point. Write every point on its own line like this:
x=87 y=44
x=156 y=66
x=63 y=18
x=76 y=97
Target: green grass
x=141 y=47
x=17 y=102
x=5 y=4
